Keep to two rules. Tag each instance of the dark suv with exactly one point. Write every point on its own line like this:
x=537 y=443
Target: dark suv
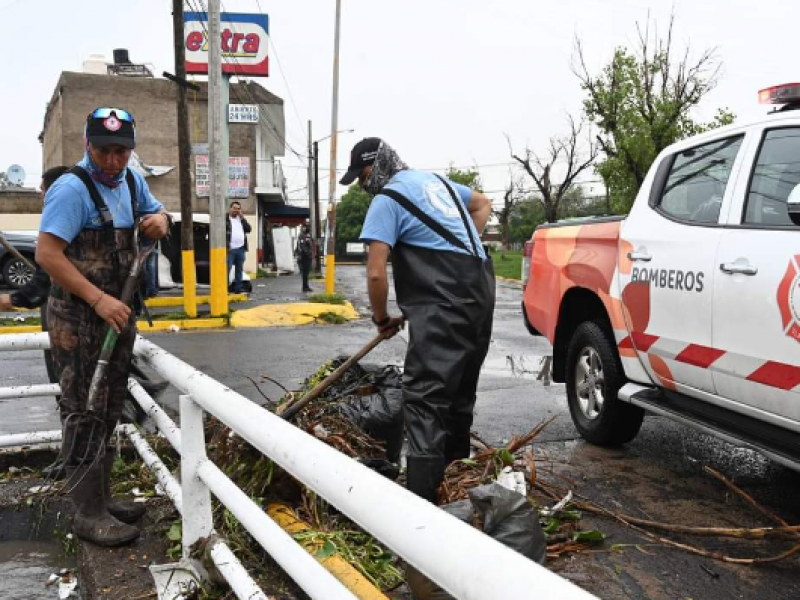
x=14 y=272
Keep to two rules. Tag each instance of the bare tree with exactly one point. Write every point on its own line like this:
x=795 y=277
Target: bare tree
x=567 y=157
x=512 y=195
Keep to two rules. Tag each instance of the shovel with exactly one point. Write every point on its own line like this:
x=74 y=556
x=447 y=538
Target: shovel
x=292 y=408
x=93 y=418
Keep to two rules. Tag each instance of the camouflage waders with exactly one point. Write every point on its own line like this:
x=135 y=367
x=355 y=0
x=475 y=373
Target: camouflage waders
x=76 y=336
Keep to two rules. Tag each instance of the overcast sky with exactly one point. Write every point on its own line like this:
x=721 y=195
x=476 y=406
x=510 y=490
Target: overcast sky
x=441 y=80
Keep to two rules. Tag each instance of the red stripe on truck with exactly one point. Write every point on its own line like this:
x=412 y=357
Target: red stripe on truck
x=699 y=356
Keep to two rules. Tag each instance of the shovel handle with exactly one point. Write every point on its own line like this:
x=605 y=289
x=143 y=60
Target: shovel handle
x=15 y=253
x=294 y=407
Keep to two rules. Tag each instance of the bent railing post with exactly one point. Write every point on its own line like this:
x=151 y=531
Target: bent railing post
x=197 y=520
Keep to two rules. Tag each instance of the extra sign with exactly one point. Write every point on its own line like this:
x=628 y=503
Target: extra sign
x=244 y=43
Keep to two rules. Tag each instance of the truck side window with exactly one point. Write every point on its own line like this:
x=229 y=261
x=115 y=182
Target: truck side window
x=696 y=183
x=776 y=174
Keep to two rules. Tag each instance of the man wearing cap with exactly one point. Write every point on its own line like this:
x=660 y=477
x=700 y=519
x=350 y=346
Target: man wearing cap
x=444 y=285
x=86 y=244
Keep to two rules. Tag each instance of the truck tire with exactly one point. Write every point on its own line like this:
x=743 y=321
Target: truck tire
x=594 y=376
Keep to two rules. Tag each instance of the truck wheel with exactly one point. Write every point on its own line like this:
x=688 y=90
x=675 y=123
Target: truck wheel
x=16 y=273
x=594 y=376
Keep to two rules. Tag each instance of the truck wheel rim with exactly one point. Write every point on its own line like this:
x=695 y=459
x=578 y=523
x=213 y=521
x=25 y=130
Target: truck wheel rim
x=19 y=274
x=589 y=383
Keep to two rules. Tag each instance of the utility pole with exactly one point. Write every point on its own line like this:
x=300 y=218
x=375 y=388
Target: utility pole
x=217 y=163
x=330 y=260
x=184 y=157
x=318 y=223
x=312 y=206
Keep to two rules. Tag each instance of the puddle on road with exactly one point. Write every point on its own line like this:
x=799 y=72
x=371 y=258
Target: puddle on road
x=518 y=366
x=26 y=566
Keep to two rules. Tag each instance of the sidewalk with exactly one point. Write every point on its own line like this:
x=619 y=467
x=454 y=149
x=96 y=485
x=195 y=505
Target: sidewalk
x=274 y=301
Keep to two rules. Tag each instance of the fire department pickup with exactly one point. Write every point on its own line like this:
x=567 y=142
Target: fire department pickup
x=689 y=307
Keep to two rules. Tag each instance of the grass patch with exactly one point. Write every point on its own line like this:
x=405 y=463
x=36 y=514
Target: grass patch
x=16 y=322
x=507 y=263
x=331 y=318
x=261 y=273
x=327 y=298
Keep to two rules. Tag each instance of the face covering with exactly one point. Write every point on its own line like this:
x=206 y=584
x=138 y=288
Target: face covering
x=387 y=164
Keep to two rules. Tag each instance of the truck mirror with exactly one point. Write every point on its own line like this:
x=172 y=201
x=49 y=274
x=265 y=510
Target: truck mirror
x=793 y=205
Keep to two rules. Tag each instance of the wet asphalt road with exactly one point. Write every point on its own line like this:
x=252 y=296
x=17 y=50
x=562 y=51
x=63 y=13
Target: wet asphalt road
x=658 y=477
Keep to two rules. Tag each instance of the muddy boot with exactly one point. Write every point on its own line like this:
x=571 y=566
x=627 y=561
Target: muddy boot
x=56 y=471
x=423 y=476
x=92 y=521
x=126 y=511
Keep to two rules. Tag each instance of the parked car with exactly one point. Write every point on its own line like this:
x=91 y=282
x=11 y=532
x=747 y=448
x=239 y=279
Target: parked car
x=689 y=307
x=16 y=273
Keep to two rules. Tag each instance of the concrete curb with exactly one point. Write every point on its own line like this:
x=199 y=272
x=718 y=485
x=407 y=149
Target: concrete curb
x=265 y=315
x=508 y=280
x=352 y=579
x=165 y=301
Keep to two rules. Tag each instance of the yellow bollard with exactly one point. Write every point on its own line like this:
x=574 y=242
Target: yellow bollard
x=330 y=274
x=219 y=281
x=189 y=284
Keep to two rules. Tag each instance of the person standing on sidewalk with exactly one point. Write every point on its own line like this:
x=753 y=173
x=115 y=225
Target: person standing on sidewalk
x=236 y=230
x=87 y=245
x=305 y=254
x=445 y=288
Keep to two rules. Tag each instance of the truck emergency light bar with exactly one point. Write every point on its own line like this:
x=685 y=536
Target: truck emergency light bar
x=787 y=93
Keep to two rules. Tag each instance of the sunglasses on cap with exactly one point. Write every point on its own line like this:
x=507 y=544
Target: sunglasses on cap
x=120 y=113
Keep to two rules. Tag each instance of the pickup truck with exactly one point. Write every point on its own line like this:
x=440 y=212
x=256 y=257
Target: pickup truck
x=689 y=307
x=15 y=273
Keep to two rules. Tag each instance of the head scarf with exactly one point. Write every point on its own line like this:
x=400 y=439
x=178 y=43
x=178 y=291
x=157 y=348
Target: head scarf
x=387 y=164
x=97 y=173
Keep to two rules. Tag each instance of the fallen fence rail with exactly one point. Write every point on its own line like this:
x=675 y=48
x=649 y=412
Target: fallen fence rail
x=451 y=553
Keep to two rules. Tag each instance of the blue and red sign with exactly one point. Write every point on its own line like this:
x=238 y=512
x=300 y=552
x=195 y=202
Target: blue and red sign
x=244 y=43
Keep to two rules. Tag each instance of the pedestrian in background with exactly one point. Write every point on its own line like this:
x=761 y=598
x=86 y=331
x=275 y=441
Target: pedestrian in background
x=151 y=286
x=305 y=254
x=236 y=230
x=87 y=245
x=445 y=288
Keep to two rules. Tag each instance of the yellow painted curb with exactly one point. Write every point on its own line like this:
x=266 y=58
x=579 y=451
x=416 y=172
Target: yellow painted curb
x=213 y=323
x=285 y=315
x=508 y=279
x=20 y=329
x=338 y=567
x=165 y=301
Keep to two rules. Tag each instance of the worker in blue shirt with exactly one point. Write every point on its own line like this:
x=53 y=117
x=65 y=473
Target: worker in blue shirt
x=87 y=246
x=445 y=289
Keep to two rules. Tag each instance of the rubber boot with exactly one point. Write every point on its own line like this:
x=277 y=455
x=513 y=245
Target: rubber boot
x=423 y=476
x=92 y=521
x=126 y=511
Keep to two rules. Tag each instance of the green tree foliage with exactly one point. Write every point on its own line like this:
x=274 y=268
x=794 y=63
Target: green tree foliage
x=526 y=215
x=642 y=102
x=351 y=211
x=470 y=178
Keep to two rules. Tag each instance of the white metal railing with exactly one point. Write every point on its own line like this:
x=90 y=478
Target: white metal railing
x=451 y=553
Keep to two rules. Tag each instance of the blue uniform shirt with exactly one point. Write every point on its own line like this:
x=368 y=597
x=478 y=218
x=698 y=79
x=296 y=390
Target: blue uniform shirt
x=390 y=223
x=68 y=207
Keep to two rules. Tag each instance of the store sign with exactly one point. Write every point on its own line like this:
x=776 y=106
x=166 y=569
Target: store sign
x=244 y=41
x=238 y=176
x=242 y=113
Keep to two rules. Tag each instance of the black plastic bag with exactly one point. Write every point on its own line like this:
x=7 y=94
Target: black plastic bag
x=508 y=517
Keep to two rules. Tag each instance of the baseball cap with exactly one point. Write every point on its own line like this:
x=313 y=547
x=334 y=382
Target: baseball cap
x=362 y=155
x=111 y=126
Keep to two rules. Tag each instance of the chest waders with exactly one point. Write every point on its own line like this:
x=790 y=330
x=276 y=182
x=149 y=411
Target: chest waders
x=447 y=298
x=104 y=257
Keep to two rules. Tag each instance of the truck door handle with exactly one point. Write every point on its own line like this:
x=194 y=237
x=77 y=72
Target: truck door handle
x=738 y=268
x=636 y=256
